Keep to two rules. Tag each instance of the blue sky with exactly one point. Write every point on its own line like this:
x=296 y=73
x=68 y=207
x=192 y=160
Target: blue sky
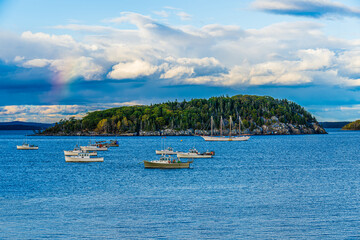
x=65 y=58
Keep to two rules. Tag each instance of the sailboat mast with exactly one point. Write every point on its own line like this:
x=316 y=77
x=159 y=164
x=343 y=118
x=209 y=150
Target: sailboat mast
x=212 y=125
x=230 y=126
x=221 y=123
x=239 y=125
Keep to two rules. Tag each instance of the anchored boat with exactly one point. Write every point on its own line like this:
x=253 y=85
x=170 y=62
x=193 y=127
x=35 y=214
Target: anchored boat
x=26 y=146
x=77 y=151
x=168 y=151
x=94 y=147
x=224 y=138
x=112 y=143
x=83 y=157
x=167 y=162
x=193 y=153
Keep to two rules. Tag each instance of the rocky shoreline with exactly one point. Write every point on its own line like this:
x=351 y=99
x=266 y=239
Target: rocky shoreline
x=273 y=129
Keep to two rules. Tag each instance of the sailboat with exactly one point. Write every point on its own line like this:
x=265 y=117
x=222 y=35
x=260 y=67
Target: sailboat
x=27 y=146
x=224 y=138
x=167 y=151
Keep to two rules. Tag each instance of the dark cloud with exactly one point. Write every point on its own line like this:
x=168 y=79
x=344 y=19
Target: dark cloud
x=306 y=8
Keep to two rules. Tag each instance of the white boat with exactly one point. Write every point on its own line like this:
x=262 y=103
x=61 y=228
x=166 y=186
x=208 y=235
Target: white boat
x=168 y=151
x=166 y=162
x=225 y=138
x=77 y=152
x=93 y=147
x=26 y=146
x=193 y=153
x=83 y=157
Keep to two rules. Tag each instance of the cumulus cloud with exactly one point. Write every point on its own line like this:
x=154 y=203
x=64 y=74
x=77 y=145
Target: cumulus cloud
x=183 y=68
x=349 y=64
x=131 y=70
x=71 y=68
x=307 y=8
x=37 y=63
x=287 y=53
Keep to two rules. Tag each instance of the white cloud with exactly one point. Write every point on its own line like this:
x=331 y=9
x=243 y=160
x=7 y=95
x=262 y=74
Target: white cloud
x=315 y=59
x=86 y=28
x=37 y=63
x=183 y=68
x=71 y=68
x=131 y=70
x=178 y=72
x=162 y=13
x=53 y=113
x=349 y=62
x=18 y=58
x=184 y=16
x=336 y=113
x=172 y=8
x=60 y=40
x=288 y=53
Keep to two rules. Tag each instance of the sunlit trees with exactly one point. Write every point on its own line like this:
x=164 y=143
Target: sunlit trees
x=255 y=111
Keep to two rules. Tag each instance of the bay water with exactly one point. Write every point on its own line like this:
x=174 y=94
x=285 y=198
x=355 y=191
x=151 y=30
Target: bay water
x=270 y=187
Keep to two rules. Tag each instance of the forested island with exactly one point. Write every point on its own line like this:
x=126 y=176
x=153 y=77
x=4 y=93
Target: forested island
x=260 y=115
x=352 y=126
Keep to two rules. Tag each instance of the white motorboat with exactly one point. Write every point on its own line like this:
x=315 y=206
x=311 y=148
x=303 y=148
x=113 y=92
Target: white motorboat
x=225 y=138
x=93 y=147
x=168 y=151
x=83 y=157
x=166 y=162
x=26 y=146
x=76 y=152
x=193 y=153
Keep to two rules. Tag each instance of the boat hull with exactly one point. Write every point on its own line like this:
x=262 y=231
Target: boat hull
x=90 y=148
x=165 y=152
x=26 y=148
x=76 y=153
x=148 y=164
x=85 y=159
x=189 y=155
x=225 y=139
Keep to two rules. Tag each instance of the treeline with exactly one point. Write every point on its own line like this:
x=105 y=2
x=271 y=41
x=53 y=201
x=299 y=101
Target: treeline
x=352 y=126
x=195 y=114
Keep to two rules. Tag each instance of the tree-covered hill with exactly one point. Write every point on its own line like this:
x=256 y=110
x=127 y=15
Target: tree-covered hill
x=352 y=126
x=259 y=115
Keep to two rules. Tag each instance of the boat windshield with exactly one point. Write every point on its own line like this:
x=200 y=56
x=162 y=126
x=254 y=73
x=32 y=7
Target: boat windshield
x=165 y=158
x=193 y=150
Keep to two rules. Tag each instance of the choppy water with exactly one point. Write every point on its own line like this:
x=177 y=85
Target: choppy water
x=271 y=187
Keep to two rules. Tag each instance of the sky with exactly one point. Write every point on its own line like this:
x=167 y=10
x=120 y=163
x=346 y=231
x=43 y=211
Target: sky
x=64 y=58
